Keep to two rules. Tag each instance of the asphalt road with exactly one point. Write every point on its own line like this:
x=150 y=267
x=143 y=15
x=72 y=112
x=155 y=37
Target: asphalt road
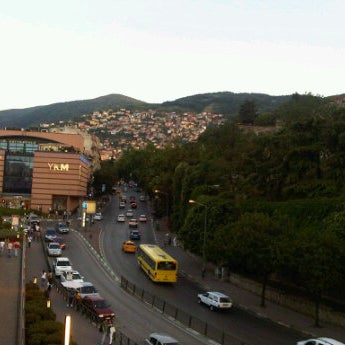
x=133 y=318
x=137 y=320
x=243 y=325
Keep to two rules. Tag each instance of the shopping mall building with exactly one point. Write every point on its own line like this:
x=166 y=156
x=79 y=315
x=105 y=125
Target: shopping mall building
x=42 y=170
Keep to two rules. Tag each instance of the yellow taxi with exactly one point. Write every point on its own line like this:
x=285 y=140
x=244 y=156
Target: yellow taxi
x=129 y=247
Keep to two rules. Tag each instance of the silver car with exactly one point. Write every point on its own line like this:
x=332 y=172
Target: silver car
x=54 y=249
x=161 y=339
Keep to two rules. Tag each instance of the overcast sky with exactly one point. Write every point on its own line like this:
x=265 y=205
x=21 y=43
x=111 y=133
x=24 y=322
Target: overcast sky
x=160 y=50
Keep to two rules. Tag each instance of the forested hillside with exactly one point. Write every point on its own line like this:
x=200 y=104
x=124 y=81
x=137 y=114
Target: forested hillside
x=226 y=103
x=275 y=202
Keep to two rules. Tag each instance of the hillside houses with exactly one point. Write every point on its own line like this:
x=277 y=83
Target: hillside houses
x=119 y=130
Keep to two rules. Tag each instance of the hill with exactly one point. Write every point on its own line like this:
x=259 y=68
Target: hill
x=226 y=103
x=33 y=116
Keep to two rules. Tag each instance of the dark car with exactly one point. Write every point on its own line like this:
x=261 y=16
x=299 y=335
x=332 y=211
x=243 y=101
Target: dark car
x=134 y=234
x=97 y=308
x=50 y=235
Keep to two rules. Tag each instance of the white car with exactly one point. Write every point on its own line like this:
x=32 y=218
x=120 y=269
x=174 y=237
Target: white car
x=60 y=265
x=54 y=249
x=143 y=218
x=69 y=276
x=98 y=216
x=121 y=218
x=320 y=341
x=161 y=339
x=130 y=213
x=83 y=288
x=215 y=300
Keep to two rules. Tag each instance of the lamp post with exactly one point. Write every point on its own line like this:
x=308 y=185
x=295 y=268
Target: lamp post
x=204 y=235
x=67 y=334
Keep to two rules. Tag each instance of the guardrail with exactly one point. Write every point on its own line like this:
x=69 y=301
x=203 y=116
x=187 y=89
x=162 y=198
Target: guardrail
x=179 y=315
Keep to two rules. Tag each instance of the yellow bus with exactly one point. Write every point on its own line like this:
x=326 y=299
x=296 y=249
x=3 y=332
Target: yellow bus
x=157 y=264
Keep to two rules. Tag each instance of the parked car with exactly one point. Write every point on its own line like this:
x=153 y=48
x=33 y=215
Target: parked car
x=320 y=341
x=60 y=265
x=54 y=249
x=122 y=204
x=98 y=308
x=82 y=288
x=98 y=216
x=62 y=228
x=33 y=219
x=129 y=247
x=133 y=223
x=134 y=234
x=71 y=276
x=50 y=235
x=143 y=218
x=215 y=300
x=161 y=339
x=121 y=218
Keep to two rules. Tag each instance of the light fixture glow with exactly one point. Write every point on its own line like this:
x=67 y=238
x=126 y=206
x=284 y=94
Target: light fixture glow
x=68 y=320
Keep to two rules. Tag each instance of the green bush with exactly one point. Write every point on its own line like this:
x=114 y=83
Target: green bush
x=40 y=322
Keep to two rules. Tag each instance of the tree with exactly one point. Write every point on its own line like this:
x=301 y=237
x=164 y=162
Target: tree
x=318 y=261
x=248 y=112
x=254 y=246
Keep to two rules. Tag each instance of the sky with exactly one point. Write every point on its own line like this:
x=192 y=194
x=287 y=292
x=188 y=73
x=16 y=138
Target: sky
x=162 y=50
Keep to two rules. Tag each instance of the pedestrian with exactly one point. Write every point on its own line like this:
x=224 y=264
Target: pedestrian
x=16 y=246
x=71 y=298
x=77 y=299
x=9 y=249
x=37 y=232
x=29 y=241
x=44 y=278
x=48 y=290
x=2 y=247
x=112 y=332
x=105 y=330
x=50 y=277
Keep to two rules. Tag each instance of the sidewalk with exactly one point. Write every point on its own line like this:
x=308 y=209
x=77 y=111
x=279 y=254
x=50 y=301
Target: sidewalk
x=10 y=272
x=190 y=266
x=82 y=331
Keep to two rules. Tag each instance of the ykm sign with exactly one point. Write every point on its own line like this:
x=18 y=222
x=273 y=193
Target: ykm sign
x=58 y=167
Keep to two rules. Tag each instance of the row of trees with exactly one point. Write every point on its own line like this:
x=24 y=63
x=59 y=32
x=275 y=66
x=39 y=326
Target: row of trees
x=275 y=202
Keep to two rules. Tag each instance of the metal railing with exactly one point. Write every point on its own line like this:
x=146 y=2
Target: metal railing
x=192 y=322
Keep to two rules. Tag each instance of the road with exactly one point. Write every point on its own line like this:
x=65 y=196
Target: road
x=243 y=325
x=133 y=318
x=137 y=320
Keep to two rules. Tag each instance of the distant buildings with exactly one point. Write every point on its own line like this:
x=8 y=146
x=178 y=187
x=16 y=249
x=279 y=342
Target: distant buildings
x=120 y=130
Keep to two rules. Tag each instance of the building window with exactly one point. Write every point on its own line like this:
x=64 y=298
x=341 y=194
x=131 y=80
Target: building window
x=18 y=173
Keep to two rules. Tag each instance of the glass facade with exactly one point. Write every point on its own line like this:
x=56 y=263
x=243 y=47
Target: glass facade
x=18 y=164
x=18 y=173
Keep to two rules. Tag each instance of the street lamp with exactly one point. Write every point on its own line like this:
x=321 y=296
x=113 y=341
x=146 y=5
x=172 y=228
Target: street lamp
x=204 y=237
x=67 y=334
